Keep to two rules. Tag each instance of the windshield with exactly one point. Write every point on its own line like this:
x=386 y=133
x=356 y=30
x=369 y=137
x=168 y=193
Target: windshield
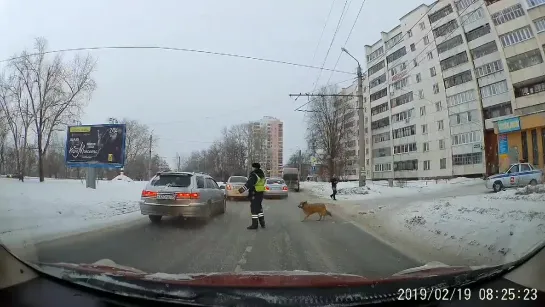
x=275 y=181
x=238 y=179
x=172 y=180
x=129 y=133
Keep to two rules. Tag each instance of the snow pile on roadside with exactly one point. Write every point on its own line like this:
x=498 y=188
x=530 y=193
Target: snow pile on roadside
x=122 y=177
x=492 y=228
x=351 y=190
x=34 y=211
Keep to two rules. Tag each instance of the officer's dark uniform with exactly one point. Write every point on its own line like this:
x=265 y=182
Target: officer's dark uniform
x=256 y=187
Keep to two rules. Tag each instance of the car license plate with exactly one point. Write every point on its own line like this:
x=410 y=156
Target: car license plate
x=165 y=196
x=277 y=188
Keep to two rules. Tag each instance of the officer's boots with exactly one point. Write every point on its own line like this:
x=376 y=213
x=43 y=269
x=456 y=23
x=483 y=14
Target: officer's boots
x=254 y=224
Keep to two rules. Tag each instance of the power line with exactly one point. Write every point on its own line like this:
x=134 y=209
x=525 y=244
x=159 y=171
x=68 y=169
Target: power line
x=323 y=30
x=247 y=57
x=298 y=109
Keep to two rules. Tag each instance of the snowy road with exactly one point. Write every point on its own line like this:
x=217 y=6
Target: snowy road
x=224 y=244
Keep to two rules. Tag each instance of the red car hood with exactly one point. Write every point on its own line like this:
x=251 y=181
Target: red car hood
x=255 y=279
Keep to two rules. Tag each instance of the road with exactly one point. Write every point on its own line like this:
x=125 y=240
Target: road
x=225 y=245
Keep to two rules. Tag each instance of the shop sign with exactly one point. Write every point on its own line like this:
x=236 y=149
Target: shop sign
x=509 y=125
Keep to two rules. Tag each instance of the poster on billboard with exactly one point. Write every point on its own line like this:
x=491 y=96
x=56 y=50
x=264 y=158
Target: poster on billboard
x=101 y=146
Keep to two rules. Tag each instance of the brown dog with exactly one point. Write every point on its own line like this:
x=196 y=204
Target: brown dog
x=310 y=209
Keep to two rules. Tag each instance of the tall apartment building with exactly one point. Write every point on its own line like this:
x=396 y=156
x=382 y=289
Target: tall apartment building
x=442 y=82
x=271 y=130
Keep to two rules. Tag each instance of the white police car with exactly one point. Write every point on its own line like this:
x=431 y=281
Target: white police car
x=518 y=174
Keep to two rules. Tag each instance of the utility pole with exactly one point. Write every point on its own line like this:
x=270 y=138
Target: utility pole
x=149 y=157
x=300 y=162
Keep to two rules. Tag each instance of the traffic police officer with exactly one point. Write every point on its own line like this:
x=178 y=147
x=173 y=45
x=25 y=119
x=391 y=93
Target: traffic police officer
x=256 y=187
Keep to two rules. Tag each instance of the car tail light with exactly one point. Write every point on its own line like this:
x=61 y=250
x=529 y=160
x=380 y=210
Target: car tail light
x=187 y=195
x=285 y=188
x=267 y=188
x=149 y=194
x=228 y=187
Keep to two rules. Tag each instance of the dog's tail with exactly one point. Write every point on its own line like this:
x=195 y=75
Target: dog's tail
x=328 y=213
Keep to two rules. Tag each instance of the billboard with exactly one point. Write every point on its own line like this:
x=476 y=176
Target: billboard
x=95 y=146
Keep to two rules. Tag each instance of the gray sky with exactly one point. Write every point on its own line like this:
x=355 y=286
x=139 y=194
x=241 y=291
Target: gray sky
x=185 y=97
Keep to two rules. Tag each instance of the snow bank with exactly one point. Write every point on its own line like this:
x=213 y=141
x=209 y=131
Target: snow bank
x=122 y=177
x=351 y=190
x=490 y=228
x=34 y=211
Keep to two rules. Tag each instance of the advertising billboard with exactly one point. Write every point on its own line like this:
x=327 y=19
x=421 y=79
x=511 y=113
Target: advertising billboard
x=95 y=146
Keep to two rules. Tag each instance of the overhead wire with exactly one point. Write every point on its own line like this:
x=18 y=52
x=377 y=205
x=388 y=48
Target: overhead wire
x=323 y=31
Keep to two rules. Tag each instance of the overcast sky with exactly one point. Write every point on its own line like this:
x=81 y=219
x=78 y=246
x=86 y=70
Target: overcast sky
x=186 y=97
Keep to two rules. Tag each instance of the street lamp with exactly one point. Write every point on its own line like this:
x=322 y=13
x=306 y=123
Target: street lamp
x=361 y=127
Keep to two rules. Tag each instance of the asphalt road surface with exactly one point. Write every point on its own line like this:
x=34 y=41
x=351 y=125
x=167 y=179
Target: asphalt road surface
x=223 y=244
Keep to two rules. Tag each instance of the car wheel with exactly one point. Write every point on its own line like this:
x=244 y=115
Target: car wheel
x=497 y=186
x=155 y=218
x=533 y=182
x=224 y=207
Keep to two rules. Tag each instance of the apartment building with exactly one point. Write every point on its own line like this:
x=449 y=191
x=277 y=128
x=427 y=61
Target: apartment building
x=271 y=130
x=438 y=86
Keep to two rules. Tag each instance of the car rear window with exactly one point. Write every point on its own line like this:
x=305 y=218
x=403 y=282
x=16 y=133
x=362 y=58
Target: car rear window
x=275 y=181
x=174 y=180
x=238 y=179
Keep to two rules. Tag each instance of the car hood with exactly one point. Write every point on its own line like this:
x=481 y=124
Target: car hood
x=253 y=279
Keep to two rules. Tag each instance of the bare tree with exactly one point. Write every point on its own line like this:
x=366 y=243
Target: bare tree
x=327 y=129
x=56 y=91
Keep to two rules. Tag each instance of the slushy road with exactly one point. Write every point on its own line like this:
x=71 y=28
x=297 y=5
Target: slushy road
x=223 y=244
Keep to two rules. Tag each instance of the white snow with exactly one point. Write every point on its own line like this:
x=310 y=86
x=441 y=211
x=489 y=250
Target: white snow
x=122 y=177
x=476 y=229
x=32 y=211
x=373 y=189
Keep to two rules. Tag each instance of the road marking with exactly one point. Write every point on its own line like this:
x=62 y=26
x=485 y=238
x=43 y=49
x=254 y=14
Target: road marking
x=242 y=260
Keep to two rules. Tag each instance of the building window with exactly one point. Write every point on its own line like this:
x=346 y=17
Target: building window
x=438 y=106
x=381 y=137
x=375 y=54
x=494 y=89
x=405 y=131
x=410 y=33
x=422 y=111
x=516 y=36
x=426 y=146
x=540 y=24
x=393 y=41
x=403 y=99
x=382 y=152
x=460 y=98
x=422 y=26
x=404 y=148
x=415 y=62
x=407 y=165
x=436 y=88
x=432 y=72
x=524 y=142
x=440 y=14
x=507 y=14
x=418 y=78
x=383 y=167
x=478 y=32
x=489 y=68
x=530 y=89
x=403 y=116
x=462 y=4
x=381 y=123
x=426 y=165
x=421 y=94
x=466 y=138
x=377 y=81
x=413 y=47
x=472 y=16
x=483 y=50
x=535 y=154
x=378 y=95
x=449 y=44
x=375 y=68
x=425 y=129
x=523 y=60
x=396 y=55
x=532 y=3
x=383 y=107
x=397 y=69
x=445 y=29
x=467 y=159
x=399 y=84
x=458 y=79
x=443 y=163
x=441 y=144
x=463 y=117
x=498 y=110
x=455 y=60
x=426 y=40
x=430 y=55
x=440 y=125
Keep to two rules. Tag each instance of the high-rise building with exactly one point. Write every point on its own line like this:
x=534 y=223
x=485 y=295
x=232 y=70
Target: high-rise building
x=271 y=131
x=450 y=77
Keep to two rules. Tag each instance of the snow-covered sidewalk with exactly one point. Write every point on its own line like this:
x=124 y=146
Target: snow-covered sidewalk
x=377 y=189
x=34 y=211
x=474 y=229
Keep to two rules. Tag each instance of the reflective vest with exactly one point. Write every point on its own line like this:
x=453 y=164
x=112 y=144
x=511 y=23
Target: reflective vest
x=260 y=184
